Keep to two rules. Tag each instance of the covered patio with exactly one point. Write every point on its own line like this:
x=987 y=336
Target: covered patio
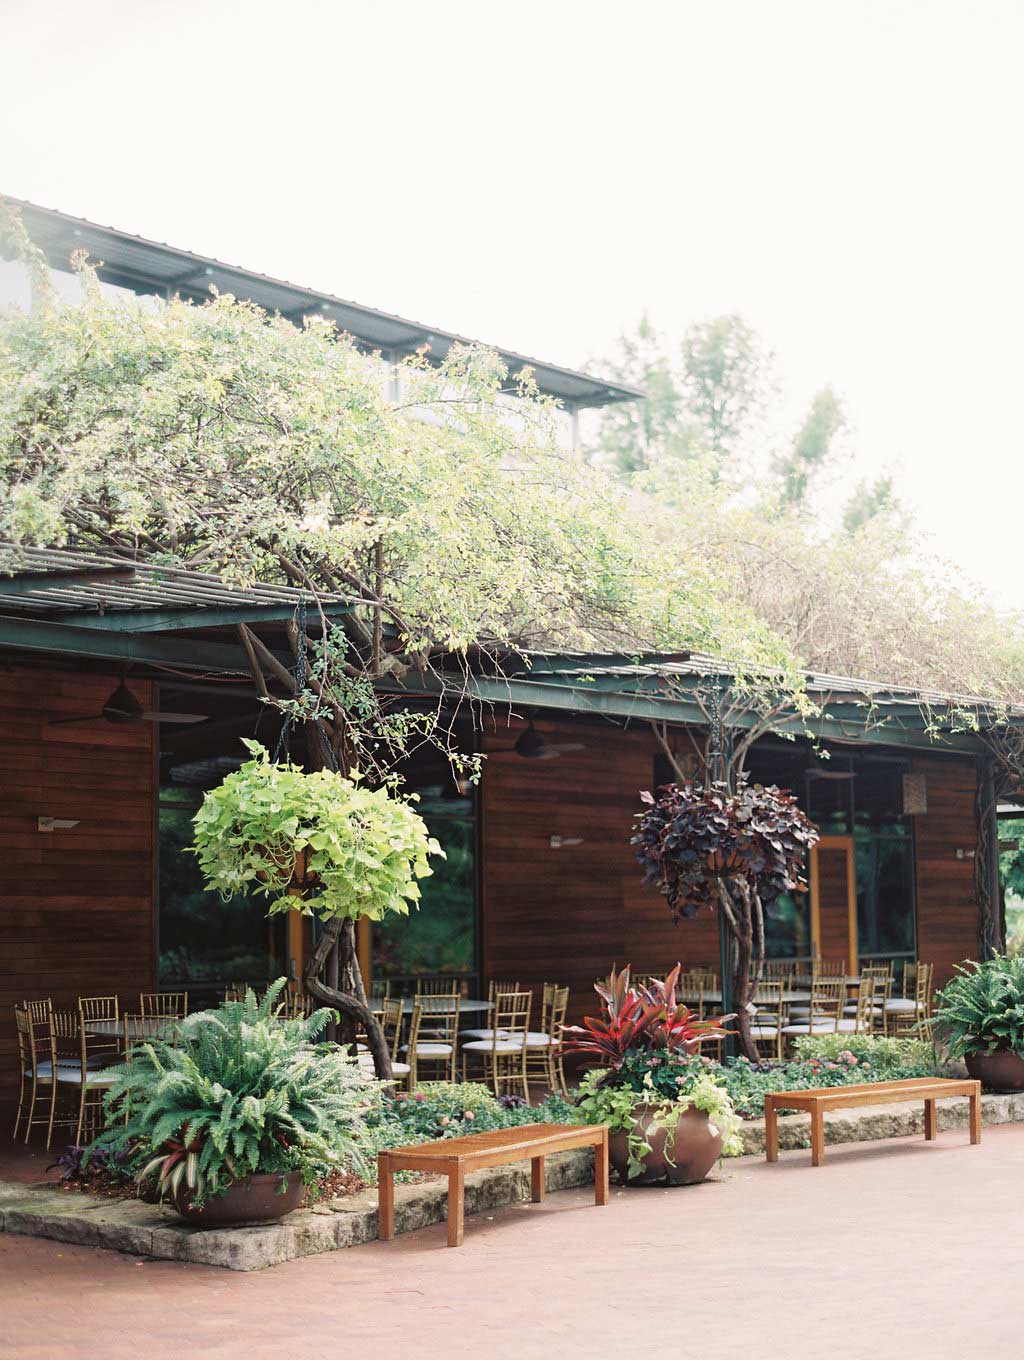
x=98 y=896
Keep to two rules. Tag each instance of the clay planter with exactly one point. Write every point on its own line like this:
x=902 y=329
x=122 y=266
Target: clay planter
x=256 y=1200
x=999 y=1071
x=691 y=1153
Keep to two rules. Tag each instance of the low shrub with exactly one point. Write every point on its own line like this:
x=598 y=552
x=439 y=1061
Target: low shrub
x=888 y=1058
x=827 y=1060
x=446 y=1109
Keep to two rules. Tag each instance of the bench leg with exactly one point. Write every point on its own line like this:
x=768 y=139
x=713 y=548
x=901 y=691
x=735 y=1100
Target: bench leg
x=817 y=1136
x=601 y=1169
x=771 y=1130
x=456 y=1206
x=537 y=1179
x=975 y=1099
x=385 y=1199
x=931 y=1123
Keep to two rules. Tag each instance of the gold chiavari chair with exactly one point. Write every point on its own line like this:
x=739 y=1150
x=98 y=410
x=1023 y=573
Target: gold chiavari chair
x=391 y=1026
x=173 y=1005
x=235 y=991
x=137 y=1030
x=879 y=975
x=437 y=986
x=912 y=1015
x=493 y=988
x=828 y=968
x=779 y=970
x=504 y=1054
x=544 y=1046
x=98 y=1008
x=822 y=1015
x=378 y=996
x=434 y=1042
x=865 y=1009
x=37 y=1063
x=96 y=1052
x=766 y=1031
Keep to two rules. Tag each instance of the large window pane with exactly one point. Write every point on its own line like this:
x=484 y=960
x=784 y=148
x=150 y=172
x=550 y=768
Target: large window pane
x=441 y=936
x=202 y=938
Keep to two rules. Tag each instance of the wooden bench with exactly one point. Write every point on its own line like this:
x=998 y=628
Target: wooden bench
x=454 y=1157
x=822 y=1098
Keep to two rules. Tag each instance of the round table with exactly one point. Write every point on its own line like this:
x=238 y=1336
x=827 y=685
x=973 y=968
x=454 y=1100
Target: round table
x=151 y=1027
x=762 y=999
x=434 y=1005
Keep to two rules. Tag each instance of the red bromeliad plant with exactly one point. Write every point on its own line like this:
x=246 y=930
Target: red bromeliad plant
x=637 y=1018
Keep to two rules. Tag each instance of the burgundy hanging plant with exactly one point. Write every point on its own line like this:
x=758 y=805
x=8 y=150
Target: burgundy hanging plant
x=708 y=847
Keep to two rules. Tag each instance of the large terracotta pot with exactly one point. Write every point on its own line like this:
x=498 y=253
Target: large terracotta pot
x=999 y=1071
x=680 y=1156
x=256 y=1200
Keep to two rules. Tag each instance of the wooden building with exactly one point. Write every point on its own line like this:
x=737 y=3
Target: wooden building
x=98 y=894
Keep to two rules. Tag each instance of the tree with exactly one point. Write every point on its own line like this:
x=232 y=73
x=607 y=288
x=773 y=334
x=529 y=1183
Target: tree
x=812 y=450
x=726 y=383
x=703 y=401
x=875 y=500
x=218 y=438
x=730 y=847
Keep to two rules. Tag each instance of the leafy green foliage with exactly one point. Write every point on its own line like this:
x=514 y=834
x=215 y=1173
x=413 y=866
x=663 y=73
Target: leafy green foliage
x=691 y=836
x=219 y=437
x=441 y=1109
x=825 y=1064
x=364 y=848
x=887 y=1057
x=239 y=1092
x=670 y=1083
x=981 y=1009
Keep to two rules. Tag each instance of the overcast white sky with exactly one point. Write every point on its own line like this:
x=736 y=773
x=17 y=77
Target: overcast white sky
x=847 y=174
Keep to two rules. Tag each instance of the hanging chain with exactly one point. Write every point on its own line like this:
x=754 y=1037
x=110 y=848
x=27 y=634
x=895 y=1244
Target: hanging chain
x=716 y=734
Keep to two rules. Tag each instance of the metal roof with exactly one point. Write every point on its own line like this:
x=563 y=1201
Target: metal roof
x=632 y=670
x=153 y=266
x=104 y=589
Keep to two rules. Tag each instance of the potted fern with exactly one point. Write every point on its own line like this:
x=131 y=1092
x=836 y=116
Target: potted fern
x=241 y=1112
x=669 y=1120
x=979 y=1015
x=320 y=843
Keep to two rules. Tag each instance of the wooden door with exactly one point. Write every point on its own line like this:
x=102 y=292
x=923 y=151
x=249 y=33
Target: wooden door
x=833 y=884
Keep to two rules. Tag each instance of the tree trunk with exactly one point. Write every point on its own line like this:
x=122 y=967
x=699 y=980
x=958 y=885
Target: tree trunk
x=348 y=995
x=351 y=1003
x=742 y=910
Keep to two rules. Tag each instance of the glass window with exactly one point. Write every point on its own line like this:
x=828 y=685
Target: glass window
x=203 y=939
x=440 y=937
x=885 y=895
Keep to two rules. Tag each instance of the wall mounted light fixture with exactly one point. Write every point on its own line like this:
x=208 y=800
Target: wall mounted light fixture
x=56 y=823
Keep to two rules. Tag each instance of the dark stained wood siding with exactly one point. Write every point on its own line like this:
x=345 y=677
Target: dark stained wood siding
x=76 y=906
x=566 y=915
x=947 y=908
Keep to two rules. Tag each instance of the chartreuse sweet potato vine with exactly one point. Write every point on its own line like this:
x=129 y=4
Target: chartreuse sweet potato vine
x=365 y=849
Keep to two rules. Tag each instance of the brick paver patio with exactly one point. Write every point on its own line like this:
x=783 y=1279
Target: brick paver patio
x=896 y=1249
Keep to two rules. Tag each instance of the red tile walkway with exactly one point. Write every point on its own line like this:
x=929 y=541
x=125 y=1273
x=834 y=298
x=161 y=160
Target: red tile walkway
x=891 y=1250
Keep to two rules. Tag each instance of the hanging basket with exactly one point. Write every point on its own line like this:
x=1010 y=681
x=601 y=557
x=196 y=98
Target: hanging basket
x=302 y=876
x=724 y=863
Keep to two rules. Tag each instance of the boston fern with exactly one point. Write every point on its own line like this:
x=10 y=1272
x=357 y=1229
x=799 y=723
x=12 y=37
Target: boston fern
x=240 y=1092
x=982 y=1009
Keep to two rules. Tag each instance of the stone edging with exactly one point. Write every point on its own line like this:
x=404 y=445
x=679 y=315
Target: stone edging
x=145 y=1230
x=142 y=1230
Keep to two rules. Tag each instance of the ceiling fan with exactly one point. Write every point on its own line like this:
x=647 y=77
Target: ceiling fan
x=531 y=745
x=124 y=707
